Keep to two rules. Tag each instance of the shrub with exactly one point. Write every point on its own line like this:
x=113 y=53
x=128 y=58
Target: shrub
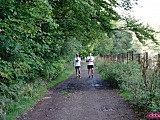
x=140 y=84
x=111 y=71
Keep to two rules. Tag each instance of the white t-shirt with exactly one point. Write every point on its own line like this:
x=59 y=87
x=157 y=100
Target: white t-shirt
x=77 y=61
x=90 y=60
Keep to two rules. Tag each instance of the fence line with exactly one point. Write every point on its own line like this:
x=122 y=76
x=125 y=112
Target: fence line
x=130 y=56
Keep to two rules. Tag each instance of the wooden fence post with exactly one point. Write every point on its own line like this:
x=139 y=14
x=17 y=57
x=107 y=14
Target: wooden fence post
x=146 y=58
x=118 y=57
x=139 y=58
x=123 y=55
x=127 y=57
x=158 y=60
x=132 y=55
x=158 y=56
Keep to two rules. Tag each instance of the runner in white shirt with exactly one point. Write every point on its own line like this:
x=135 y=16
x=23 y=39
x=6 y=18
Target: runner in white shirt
x=77 y=65
x=90 y=64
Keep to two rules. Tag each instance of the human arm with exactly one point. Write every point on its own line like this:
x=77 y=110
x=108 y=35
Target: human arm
x=91 y=59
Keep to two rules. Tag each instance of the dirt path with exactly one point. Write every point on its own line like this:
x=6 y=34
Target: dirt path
x=81 y=99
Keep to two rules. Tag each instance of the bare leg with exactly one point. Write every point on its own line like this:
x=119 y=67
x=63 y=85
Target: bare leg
x=79 y=71
x=92 y=71
x=89 y=72
x=76 y=72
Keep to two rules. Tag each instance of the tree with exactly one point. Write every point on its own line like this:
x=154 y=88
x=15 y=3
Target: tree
x=86 y=20
x=38 y=36
x=121 y=41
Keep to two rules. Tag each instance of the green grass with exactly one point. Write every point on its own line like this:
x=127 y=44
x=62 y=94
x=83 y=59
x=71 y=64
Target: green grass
x=15 y=108
x=61 y=78
x=125 y=94
x=65 y=92
x=23 y=103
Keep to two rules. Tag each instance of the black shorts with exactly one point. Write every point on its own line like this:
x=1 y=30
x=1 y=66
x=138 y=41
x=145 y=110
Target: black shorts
x=77 y=67
x=89 y=66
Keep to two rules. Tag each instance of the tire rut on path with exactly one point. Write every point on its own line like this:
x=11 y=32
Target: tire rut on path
x=81 y=99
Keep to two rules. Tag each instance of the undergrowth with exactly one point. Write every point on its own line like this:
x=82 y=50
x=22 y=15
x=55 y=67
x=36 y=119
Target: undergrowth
x=138 y=85
x=29 y=94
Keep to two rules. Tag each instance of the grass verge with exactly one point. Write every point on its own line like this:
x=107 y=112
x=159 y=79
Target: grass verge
x=61 y=77
x=23 y=104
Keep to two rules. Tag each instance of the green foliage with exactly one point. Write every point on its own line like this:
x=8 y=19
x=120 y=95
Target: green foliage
x=128 y=4
x=142 y=32
x=38 y=37
x=121 y=41
x=111 y=71
x=104 y=46
x=32 y=92
x=25 y=94
x=144 y=93
x=85 y=21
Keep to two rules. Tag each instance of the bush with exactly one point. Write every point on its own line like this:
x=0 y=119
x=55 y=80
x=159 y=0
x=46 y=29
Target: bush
x=19 y=79
x=144 y=92
x=111 y=71
x=142 y=87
